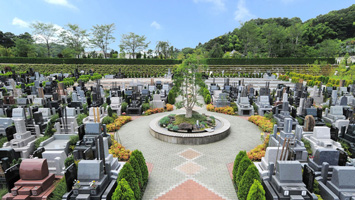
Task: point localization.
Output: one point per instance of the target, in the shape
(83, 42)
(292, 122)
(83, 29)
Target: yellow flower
(78, 181)
(261, 133)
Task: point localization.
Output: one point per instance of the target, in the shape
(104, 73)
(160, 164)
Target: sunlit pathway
(190, 171)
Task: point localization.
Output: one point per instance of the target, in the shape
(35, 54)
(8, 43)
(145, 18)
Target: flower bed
(225, 110)
(258, 152)
(116, 125)
(151, 111)
(119, 151)
(264, 123)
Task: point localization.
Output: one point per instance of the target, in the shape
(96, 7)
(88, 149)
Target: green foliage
(144, 169)
(49, 131)
(127, 172)
(107, 120)
(175, 128)
(137, 170)
(68, 161)
(73, 139)
(39, 140)
(216, 51)
(300, 121)
(60, 190)
(247, 181)
(238, 158)
(85, 110)
(109, 111)
(124, 107)
(3, 191)
(145, 106)
(164, 121)
(307, 144)
(2, 140)
(16, 161)
(256, 191)
(243, 166)
(123, 191)
(171, 97)
(170, 126)
(79, 118)
(346, 148)
(195, 116)
(234, 106)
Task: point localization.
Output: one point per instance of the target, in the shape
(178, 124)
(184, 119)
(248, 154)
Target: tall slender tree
(102, 36)
(75, 38)
(133, 43)
(45, 33)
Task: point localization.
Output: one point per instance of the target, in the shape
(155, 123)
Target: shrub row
(264, 123)
(132, 179)
(225, 110)
(313, 80)
(246, 177)
(264, 61)
(116, 125)
(258, 152)
(90, 61)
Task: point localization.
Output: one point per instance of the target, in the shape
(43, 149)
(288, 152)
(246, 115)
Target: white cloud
(19, 22)
(61, 3)
(155, 25)
(219, 4)
(242, 13)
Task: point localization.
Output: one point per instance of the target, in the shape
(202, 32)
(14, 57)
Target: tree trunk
(188, 113)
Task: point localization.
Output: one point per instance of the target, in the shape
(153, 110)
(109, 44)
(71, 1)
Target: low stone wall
(189, 138)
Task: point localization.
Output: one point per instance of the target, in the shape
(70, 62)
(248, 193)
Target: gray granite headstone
(92, 128)
(334, 96)
(90, 170)
(331, 156)
(288, 125)
(344, 177)
(343, 101)
(298, 132)
(289, 171)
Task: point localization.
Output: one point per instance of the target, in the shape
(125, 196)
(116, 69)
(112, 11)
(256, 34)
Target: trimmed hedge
(256, 191)
(127, 173)
(144, 169)
(137, 170)
(238, 158)
(123, 191)
(247, 181)
(90, 61)
(265, 61)
(243, 166)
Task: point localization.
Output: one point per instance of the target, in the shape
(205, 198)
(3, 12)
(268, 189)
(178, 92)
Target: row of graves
(27, 112)
(288, 170)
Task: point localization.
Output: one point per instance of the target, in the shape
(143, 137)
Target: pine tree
(256, 191)
(247, 181)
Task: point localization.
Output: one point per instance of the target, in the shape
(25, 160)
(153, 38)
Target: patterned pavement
(190, 171)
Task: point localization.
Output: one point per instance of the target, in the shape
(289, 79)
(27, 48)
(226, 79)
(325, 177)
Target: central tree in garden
(187, 78)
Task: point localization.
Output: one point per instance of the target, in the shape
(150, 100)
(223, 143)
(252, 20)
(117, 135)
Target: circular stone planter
(165, 135)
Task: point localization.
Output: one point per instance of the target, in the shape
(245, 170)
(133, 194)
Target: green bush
(73, 139)
(49, 131)
(247, 181)
(144, 169)
(3, 191)
(243, 166)
(107, 120)
(85, 109)
(164, 121)
(68, 161)
(170, 126)
(124, 106)
(171, 97)
(127, 172)
(256, 191)
(79, 118)
(145, 106)
(123, 191)
(109, 111)
(39, 140)
(2, 140)
(234, 106)
(137, 170)
(60, 190)
(175, 128)
(207, 99)
(238, 158)
(89, 61)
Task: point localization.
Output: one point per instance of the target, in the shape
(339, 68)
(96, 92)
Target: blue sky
(184, 23)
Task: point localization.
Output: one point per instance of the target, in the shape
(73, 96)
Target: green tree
(162, 48)
(102, 36)
(256, 191)
(249, 34)
(188, 79)
(243, 166)
(133, 43)
(216, 51)
(75, 38)
(247, 181)
(238, 158)
(123, 191)
(127, 173)
(68, 53)
(24, 48)
(137, 170)
(45, 33)
(295, 32)
(270, 32)
(329, 48)
(144, 169)
(315, 68)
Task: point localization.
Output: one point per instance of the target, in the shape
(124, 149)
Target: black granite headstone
(70, 175)
(10, 131)
(308, 177)
(12, 175)
(38, 152)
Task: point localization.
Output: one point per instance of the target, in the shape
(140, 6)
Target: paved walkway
(190, 171)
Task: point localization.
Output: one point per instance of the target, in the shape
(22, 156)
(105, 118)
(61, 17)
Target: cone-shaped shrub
(243, 166)
(127, 172)
(144, 169)
(237, 160)
(137, 170)
(247, 181)
(123, 191)
(256, 191)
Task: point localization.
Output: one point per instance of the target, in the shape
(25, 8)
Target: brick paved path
(190, 171)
